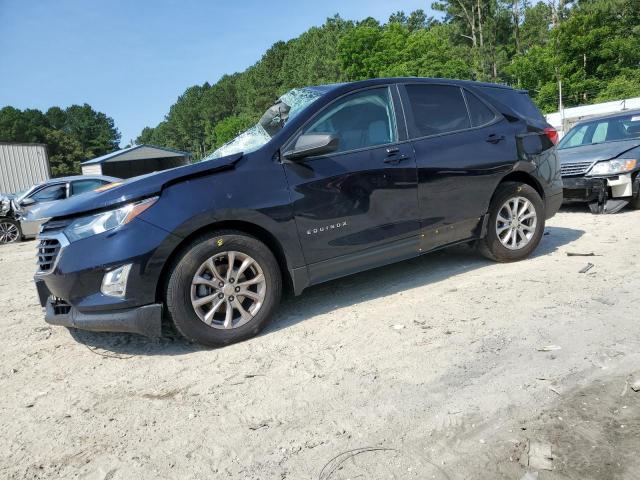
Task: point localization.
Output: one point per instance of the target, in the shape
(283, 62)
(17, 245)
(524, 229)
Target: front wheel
(9, 231)
(516, 223)
(223, 289)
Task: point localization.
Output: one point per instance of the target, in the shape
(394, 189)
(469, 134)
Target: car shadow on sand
(344, 292)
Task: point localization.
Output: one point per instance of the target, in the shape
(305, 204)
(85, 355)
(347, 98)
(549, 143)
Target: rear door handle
(493, 138)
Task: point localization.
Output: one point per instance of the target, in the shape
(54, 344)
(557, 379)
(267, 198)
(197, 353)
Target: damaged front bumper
(145, 320)
(584, 189)
(603, 194)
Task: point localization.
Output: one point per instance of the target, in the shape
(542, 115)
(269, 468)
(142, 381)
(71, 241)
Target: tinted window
(82, 186)
(518, 101)
(50, 193)
(437, 109)
(480, 114)
(360, 120)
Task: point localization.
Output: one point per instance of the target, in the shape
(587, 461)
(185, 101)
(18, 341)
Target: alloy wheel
(8, 232)
(516, 223)
(228, 290)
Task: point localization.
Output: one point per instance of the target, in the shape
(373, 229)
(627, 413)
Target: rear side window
(518, 101)
(479, 112)
(437, 109)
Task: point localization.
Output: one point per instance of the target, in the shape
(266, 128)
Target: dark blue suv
(333, 180)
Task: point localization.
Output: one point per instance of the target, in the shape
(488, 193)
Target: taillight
(552, 133)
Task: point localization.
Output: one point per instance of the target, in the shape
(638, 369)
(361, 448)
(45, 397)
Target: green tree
(65, 153)
(626, 85)
(230, 127)
(72, 135)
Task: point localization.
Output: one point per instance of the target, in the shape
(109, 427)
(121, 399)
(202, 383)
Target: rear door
(463, 148)
(350, 204)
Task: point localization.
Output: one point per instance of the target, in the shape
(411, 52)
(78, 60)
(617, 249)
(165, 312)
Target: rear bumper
(553, 204)
(584, 189)
(145, 320)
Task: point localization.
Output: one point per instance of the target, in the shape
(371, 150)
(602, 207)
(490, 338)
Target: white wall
(574, 114)
(95, 169)
(22, 165)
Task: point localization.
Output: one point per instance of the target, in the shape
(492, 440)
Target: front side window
(50, 193)
(82, 186)
(437, 109)
(576, 138)
(360, 120)
(287, 107)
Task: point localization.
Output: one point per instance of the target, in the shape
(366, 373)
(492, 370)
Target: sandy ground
(428, 369)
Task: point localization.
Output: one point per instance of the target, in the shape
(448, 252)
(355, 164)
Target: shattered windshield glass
(287, 107)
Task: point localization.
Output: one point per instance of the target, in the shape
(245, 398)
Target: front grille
(579, 168)
(48, 250)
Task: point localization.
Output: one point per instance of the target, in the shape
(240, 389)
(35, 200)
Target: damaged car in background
(20, 216)
(600, 162)
(9, 220)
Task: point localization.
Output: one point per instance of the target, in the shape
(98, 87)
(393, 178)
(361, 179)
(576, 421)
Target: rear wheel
(9, 231)
(516, 223)
(223, 288)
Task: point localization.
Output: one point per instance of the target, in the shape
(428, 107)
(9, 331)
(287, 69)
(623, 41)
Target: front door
(351, 203)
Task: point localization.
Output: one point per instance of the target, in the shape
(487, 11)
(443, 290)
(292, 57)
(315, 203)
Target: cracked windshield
(287, 107)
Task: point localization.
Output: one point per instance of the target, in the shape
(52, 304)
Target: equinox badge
(313, 231)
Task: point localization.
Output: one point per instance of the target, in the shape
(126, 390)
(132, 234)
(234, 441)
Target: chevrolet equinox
(332, 180)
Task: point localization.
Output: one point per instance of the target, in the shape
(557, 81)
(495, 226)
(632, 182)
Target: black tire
(490, 246)
(178, 287)
(635, 200)
(10, 231)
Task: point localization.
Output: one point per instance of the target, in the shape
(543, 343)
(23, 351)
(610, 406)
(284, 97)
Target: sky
(131, 59)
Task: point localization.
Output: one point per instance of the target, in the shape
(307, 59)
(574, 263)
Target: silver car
(34, 199)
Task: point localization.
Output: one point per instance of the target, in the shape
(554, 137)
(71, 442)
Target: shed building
(134, 161)
(22, 165)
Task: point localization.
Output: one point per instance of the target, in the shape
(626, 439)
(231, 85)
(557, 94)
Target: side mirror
(27, 202)
(313, 144)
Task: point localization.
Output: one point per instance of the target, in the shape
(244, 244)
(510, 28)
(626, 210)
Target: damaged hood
(596, 152)
(135, 188)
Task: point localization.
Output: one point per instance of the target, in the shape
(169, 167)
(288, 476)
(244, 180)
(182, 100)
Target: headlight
(105, 221)
(611, 167)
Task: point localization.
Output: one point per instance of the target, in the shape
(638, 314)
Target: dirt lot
(428, 369)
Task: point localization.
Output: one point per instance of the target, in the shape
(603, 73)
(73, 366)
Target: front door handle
(395, 159)
(493, 138)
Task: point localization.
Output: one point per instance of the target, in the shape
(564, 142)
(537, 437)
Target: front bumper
(30, 228)
(584, 189)
(69, 283)
(145, 320)
(588, 189)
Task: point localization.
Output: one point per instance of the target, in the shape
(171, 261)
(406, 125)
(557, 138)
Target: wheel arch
(248, 228)
(522, 177)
